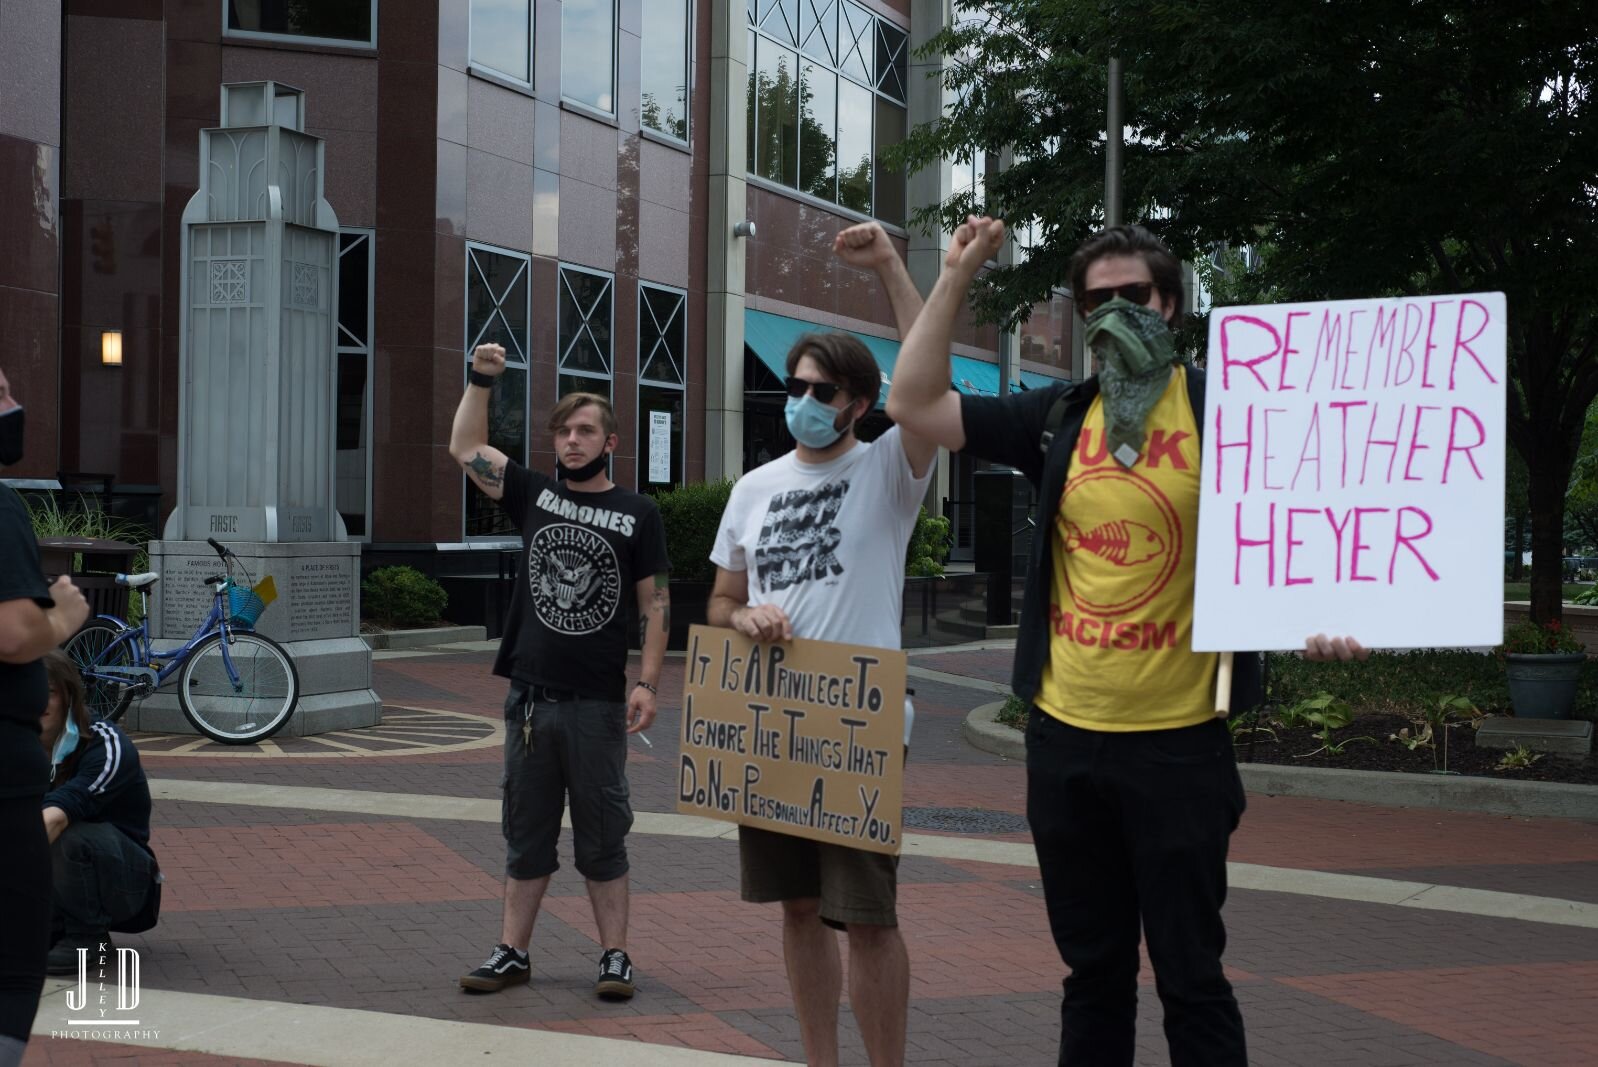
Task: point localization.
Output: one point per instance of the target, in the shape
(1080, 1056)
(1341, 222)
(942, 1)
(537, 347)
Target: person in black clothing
(588, 545)
(35, 616)
(1132, 787)
(97, 816)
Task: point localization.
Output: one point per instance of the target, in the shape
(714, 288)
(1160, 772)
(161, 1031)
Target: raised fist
(489, 359)
(975, 241)
(865, 245)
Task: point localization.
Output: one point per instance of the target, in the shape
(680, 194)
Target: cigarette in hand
(645, 739)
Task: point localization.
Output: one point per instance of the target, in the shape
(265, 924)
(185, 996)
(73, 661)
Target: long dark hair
(65, 680)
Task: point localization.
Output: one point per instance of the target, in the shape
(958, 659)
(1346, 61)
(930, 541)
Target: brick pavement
(383, 914)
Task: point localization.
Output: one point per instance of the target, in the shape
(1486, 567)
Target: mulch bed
(1383, 755)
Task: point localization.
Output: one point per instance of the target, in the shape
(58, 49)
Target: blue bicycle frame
(137, 640)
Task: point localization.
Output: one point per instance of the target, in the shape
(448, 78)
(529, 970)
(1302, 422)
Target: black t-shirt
(24, 691)
(584, 554)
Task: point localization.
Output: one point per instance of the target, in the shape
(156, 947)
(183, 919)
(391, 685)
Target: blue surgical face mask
(812, 423)
(66, 742)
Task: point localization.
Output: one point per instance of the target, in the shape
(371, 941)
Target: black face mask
(583, 473)
(11, 438)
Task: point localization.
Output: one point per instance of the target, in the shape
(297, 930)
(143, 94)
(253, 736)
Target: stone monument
(255, 418)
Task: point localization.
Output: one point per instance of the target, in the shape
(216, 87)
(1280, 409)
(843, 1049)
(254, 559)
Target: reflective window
(774, 101)
(588, 52)
(818, 121)
(352, 392)
(584, 321)
(502, 37)
(496, 312)
(662, 408)
(820, 117)
(333, 21)
(663, 80)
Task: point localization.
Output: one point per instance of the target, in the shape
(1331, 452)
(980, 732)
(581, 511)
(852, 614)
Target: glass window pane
(890, 192)
(663, 81)
(659, 468)
(507, 431)
(855, 107)
(353, 272)
(662, 335)
(576, 383)
(496, 302)
(818, 30)
(502, 37)
(777, 101)
(336, 20)
(353, 427)
(893, 59)
(584, 322)
(780, 18)
(818, 148)
(857, 46)
(587, 52)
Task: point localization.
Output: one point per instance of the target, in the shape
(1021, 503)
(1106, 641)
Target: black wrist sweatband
(478, 378)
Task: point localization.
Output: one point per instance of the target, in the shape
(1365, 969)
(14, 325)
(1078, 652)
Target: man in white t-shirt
(812, 545)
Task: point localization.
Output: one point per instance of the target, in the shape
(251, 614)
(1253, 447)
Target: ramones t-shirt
(24, 692)
(583, 555)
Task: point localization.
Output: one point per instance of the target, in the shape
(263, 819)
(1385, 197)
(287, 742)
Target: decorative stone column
(256, 414)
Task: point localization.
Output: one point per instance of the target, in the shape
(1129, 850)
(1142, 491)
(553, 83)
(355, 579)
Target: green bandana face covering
(1135, 352)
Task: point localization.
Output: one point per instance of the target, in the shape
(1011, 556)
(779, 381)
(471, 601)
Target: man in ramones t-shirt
(589, 544)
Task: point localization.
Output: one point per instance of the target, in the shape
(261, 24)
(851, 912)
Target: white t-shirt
(825, 542)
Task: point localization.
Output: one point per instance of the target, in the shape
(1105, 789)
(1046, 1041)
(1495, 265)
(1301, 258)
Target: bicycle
(234, 685)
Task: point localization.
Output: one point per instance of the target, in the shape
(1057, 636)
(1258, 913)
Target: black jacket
(100, 780)
(1010, 430)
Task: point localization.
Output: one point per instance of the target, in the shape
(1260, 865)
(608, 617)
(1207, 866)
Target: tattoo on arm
(485, 472)
(662, 604)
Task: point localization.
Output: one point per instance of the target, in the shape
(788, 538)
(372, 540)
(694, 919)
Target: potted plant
(1543, 662)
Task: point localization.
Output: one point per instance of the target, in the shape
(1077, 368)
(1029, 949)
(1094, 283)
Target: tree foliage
(1378, 147)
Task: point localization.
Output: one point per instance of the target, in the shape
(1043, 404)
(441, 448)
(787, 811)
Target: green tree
(1377, 146)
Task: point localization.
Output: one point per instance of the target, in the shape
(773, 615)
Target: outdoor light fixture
(743, 229)
(111, 348)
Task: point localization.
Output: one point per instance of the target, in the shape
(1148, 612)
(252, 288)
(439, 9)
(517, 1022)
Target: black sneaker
(504, 966)
(63, 958)
(615, 976)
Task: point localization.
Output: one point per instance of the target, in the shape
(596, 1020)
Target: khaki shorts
(854, 886)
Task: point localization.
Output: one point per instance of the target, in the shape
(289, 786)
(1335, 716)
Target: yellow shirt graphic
(1121, 612)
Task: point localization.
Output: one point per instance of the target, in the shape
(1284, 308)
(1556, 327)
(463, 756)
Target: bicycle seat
(138, 581)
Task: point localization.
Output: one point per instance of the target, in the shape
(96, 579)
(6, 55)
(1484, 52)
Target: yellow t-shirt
(1121, 612)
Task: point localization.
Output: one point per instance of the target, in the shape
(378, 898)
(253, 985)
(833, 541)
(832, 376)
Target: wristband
(478, 378)
(647, 686)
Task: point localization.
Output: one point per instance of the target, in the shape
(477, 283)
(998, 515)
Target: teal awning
(1029, 380)
(771, 336)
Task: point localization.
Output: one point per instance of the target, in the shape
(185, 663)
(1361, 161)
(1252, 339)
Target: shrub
(1014, 712)
(403, 596)
(692, 514)
(929, 546)
(90, 522)
(1533, 638)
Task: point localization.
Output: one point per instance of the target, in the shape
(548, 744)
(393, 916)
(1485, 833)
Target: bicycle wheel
(93, 647)
(239, 690)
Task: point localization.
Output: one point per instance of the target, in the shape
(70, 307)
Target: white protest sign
(1353, 474)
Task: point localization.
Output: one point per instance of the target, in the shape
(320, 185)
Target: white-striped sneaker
(504, 966)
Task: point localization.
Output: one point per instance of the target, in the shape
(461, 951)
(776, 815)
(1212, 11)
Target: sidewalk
(325, 895)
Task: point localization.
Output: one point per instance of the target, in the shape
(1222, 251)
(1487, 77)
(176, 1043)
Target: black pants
(24, 913)
(101, 878)
(1132, 829)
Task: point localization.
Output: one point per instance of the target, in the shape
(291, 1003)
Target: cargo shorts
(576, 751)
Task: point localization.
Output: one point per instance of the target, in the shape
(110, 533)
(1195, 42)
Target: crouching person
(97, 816)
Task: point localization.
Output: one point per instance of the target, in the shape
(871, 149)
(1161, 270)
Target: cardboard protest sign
(804, 738)
(1353, 474)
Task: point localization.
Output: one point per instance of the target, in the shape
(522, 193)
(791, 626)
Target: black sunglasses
(1093, 299)
(798, 387)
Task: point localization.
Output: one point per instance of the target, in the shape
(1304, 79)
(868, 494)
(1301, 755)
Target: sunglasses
(823, 391)
(1092, 299)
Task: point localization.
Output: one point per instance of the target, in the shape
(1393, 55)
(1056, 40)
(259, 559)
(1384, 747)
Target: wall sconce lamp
(743, 229)
(111, 348)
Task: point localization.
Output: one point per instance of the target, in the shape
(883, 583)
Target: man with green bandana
(1132, 789)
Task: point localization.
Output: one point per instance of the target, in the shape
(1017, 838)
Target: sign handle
(1223, 686)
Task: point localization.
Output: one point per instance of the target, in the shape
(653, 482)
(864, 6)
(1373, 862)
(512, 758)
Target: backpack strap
(1055, 419)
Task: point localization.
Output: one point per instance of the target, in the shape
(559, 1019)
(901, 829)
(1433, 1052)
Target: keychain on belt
(527, 723)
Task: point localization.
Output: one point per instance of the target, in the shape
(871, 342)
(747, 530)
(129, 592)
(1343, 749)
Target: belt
(548, 694)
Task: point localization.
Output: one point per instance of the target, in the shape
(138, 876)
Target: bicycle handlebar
(221, 549)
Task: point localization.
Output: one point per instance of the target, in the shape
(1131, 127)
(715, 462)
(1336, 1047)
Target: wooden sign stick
(1223, 686)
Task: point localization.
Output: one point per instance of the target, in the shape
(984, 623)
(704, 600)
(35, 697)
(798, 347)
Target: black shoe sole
(473, 984)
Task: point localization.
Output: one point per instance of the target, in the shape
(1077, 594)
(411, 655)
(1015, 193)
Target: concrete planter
(1543, 686)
